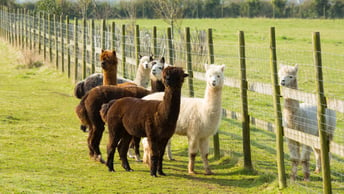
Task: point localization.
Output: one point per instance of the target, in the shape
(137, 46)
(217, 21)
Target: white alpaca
(143, 71)
(302, 117)
(199, 117)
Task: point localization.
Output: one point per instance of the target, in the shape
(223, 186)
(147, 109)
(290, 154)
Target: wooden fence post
(56, 42)
(170, 46)
(49, 37)
(84, 31)
(44, 37)
(245, 118)
(68, 46)
(155, 44)
(189, 62)
(324, 138)
(216, 138)
(40, 33)
(137, 45)
(62, 44)
(93, 53)
(124, 68)
(278, 112)
(103, 34)
(113, 36)
(76, 47)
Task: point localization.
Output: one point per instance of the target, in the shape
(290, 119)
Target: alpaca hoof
(209, 172)
(154, 175)
(306, 179)
(83, 128)
(172, 159)
(129, 170)
(317, 171)
(162, 173)
(100, 159)
(192, 172)
(139, 160)
(111, 170)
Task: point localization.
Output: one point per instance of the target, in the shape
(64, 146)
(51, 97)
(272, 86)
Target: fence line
(62, 40)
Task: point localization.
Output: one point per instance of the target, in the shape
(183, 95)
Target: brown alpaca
(109, 63)
(90, 105)
(156, 120)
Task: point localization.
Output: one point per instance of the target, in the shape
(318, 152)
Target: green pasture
(42, 149)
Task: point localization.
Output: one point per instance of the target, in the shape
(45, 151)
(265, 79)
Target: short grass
(43, 151)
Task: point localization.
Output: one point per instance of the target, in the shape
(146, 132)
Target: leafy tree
(48, 6)
(321, 7)
(278, 7)
(337, 9)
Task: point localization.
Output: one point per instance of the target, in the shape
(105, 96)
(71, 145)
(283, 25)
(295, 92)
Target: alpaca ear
(185, 74)
(102, 50)
(296, 67)
(114, 52)
(151, 57)
(223, 67)
(162, 60)
(206, 66)
(140, 56)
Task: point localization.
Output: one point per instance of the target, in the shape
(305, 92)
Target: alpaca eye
(160, 67)
(218, 76)
(290, 77)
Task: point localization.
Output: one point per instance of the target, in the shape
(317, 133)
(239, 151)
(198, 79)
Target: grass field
(42, 149)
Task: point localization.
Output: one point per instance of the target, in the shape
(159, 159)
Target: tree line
(174, 9)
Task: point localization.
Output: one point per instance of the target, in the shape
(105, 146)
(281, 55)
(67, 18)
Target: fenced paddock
(251, 95)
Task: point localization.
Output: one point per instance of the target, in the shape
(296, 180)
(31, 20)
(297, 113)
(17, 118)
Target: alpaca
(96, 79)
(156, 120)
(156, 86)
(109, 77)
(302, 117)
(199, 117)
(90, 105)
(92, 81)
(143, 71)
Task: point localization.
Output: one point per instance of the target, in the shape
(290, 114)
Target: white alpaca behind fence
(199, 117)
(302, 117)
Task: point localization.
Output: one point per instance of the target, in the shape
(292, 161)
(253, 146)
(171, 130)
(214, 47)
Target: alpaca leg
(146, 151)
(204, 149)
(137, 149)
(153, 157)
(162, 148)
(305, 157)
(89, 142)
(111, 148)
(169, 152)
(123, 150)
(294, 150)
(317, 160)
(193, 145)
(95, 141)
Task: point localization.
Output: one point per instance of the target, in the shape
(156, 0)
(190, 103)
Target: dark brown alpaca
(90, 105)
(156, 120)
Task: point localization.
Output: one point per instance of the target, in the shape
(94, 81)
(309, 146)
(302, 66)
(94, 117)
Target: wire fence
(75, 45)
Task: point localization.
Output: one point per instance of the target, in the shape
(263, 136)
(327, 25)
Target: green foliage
(48, 6)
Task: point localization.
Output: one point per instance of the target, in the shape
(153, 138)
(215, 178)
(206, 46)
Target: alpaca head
(173, 77)
(287, 75)
(108, 60)
(214, 75)
(157, 67)
(145, 61)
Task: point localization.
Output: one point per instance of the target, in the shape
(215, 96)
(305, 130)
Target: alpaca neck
(142, 77)
(157, 86)
(291, 106)
(212, 99)
(170, 105)
(109, 78)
